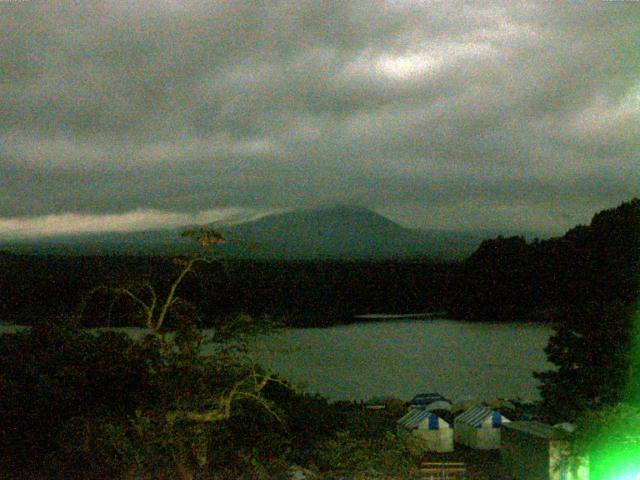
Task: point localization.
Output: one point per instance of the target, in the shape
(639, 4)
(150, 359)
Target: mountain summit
(342, 231)
(337, 232)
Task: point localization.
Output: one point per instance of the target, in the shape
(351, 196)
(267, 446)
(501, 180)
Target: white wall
(485, 438)
(436, 440)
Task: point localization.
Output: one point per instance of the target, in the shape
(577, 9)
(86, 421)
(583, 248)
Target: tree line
(512, 279)
(87, 405)
(585, 283)
(172, 402)
(299, 293)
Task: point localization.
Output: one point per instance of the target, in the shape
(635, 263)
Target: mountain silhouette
(337, 232)
(345, 231)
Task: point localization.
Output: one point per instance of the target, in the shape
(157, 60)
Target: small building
(535, 451)
(433, 430)
(384, 402)
(460, 407)
(438, 405)
(433, 402)
(479, 427)
(423, 399)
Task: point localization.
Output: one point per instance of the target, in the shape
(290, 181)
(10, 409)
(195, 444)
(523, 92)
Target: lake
(400, 358)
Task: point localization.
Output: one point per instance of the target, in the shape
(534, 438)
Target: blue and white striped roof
(427, 398)
(422, 419)
(477, 416)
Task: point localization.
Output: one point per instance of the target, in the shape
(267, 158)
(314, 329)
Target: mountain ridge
(332, 232)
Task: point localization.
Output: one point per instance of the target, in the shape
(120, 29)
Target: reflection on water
(401, 358)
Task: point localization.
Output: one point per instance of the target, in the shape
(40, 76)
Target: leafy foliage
(61, 378)
(609, 438)
(593, 346)
(586, 283)
(146, 406)
(304, 293)
(557, 280)
(595, 363)
(89, 404)
(388, 455)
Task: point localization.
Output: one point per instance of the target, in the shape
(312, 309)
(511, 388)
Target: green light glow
(632, 394)
(615, 455)
(615, 461)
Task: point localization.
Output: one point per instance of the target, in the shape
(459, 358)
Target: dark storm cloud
(430, 112)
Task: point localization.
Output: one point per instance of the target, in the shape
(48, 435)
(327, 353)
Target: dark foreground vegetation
(93, 406)
(88, 405)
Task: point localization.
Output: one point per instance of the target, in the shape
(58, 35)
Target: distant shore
(400, 316)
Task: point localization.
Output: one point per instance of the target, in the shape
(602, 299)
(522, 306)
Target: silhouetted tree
(593, 347)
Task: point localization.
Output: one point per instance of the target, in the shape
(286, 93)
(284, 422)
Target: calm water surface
(401, 358)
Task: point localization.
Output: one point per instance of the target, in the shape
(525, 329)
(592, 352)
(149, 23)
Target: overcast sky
(456, 115)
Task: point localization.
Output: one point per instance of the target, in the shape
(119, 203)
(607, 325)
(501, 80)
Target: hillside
(346, 232)
(512, 279)
(341, 232)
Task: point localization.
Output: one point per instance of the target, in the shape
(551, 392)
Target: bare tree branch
(169, 300)
(226, 400)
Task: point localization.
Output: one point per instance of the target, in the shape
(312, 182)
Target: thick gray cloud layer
(439, 114)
